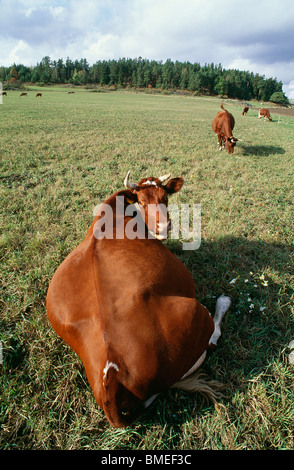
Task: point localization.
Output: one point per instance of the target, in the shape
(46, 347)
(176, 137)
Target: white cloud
(57, 11)
(255, 36)
(288, 89)
(17, 52)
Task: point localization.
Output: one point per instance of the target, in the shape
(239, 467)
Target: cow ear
(130, 197)
(174, 185)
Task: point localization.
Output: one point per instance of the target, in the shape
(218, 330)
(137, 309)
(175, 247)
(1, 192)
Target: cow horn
(164, 178)
(128, 183)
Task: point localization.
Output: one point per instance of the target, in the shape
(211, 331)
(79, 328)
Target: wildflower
(262, 277)
(233, 281)
(251, 306)
(248, 300)
(251, 273)
(262, 309)
(246, 280)
(255, 285)
(265, 283)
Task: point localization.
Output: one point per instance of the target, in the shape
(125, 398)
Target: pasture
(63, 154)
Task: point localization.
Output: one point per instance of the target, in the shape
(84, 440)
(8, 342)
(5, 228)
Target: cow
(70, 92)
(4, 93)
(263, 112)
(127, 305)
(222, 126)
(245, 110)
(23, 94)
(38, 94)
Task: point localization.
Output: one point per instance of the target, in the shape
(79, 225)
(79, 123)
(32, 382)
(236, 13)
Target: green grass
(63, 154)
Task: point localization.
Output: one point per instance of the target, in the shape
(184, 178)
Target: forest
(210, 79)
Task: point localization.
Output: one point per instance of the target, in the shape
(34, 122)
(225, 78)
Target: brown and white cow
(263, 112)
(245, 110)
(223, 125)
(127, 306)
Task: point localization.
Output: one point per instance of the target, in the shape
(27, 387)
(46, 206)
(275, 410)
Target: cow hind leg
(222, 306)
(196, 381)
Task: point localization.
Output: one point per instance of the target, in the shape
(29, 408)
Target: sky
(251, 35)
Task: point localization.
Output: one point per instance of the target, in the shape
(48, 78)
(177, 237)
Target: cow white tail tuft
(199, 382)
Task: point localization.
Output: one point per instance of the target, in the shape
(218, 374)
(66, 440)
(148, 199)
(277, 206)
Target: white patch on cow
(150, 183)
(108, 365)
(150, 400)
(137, 207)
(196, 365)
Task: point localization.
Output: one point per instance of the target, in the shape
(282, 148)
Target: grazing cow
(245, 110)
(23, 94)
(4, 93)
(70, 92)
(127, 305)
(263, 112)
(223, 125)
(38, 94)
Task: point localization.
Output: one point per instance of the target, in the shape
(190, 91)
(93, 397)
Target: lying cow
(127, 306)
(223, 125)
(263, 112)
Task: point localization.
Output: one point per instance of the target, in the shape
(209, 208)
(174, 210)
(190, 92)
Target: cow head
(151, 195)
(230, 144)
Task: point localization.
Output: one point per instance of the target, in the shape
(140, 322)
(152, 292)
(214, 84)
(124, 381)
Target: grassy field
(63, 154)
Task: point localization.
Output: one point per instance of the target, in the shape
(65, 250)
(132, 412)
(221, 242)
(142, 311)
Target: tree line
(209, 79)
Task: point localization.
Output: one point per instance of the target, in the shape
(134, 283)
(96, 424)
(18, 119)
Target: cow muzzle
(158, 221)
(163, 229)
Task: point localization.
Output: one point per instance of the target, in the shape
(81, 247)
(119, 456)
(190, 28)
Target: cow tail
(198, 382)
(120, 405)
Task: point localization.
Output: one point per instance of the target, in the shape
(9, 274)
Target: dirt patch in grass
(282, 111)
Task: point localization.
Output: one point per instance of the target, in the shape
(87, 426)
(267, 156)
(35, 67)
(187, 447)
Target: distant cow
(263, 112)
(38, 94)
(23, 94)
(245, 110)
(223, 126)
(127, 305)
(4, 93)
(70, 92)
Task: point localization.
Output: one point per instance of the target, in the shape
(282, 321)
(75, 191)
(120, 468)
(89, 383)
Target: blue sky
(254, 35)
